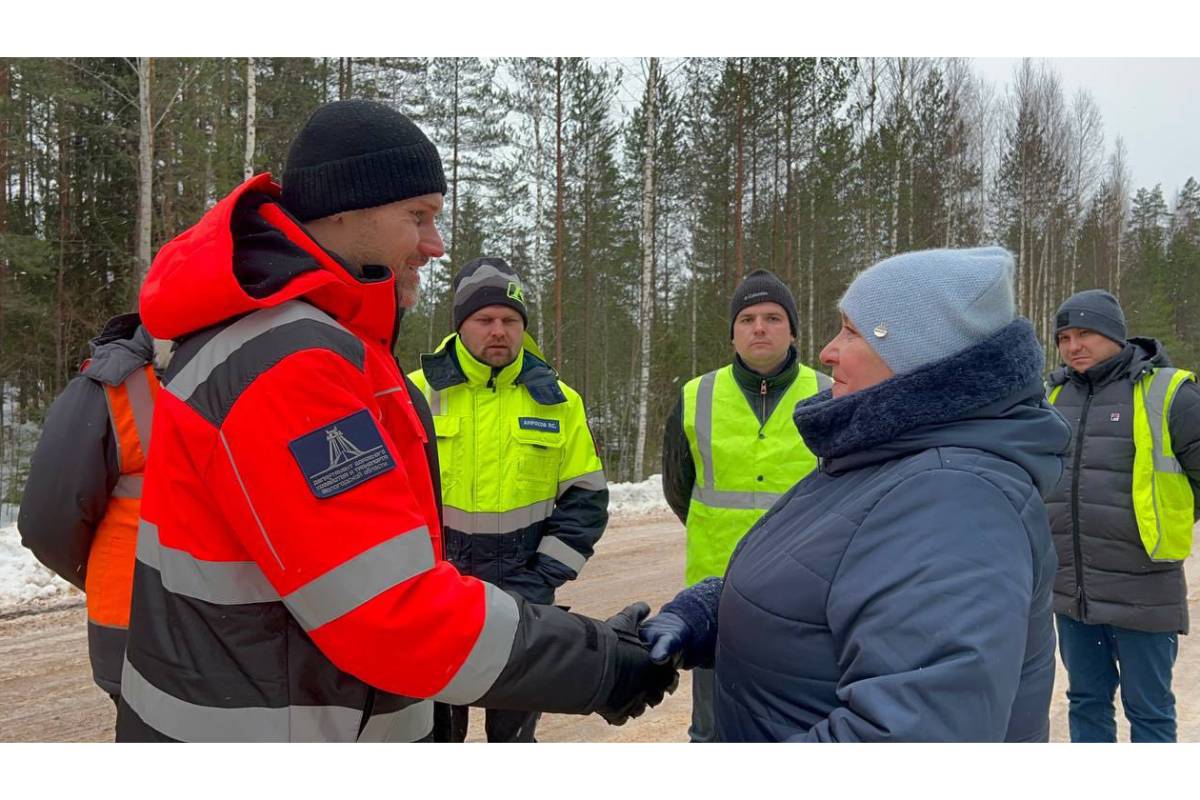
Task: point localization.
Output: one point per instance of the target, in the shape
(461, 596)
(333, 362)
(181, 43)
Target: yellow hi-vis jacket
(742, 467)
(523, 489)
(1162, 496)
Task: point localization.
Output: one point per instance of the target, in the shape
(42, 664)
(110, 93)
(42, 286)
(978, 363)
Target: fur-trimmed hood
(988, 397)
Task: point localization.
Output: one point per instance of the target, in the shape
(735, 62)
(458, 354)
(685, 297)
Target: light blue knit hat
(917, 308)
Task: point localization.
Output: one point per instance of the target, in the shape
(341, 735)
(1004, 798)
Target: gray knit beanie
(487, 281)
(920, 307)
(1094, 309)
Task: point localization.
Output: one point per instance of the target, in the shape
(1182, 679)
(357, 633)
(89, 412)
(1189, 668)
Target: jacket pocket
(539, 453)
(448, 430)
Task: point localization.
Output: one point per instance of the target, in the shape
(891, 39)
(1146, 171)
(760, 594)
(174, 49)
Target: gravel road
(47, 694)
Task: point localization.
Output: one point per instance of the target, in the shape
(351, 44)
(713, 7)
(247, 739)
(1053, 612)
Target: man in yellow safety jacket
(523, 490)
(1122, 519)
(731, 448)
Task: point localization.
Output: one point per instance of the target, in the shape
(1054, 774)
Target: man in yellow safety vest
(731, 449)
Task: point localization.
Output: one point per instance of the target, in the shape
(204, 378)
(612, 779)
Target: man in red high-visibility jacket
(289, 582)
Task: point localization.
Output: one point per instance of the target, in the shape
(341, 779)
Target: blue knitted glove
(685, 630)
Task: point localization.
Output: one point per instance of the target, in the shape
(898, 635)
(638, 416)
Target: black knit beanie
(1094, 309)
(487, 282)
(762, 286)
(358, 154)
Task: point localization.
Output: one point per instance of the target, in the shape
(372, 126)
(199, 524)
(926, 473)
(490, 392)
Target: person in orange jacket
(80, 508)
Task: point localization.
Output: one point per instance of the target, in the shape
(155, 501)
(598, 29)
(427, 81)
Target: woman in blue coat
(902, 592)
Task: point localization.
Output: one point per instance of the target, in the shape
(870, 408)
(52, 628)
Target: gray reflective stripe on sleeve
(561, 551)
(409, 724)
(392, 390)
(189, 722)
(220, 347)
(704, 426)
(592, 481)
(1156, 401)
(219, 582)
(128, 486)
(141, 402)
(495, 522)
(261, 528)
(490, 653)
(367, 575)
(823, 381)
(736, 500)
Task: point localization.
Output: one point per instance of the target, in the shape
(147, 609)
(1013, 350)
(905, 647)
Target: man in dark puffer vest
(1120, 609)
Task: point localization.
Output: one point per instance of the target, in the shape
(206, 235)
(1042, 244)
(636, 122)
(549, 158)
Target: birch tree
(251, 119)
(646, 317)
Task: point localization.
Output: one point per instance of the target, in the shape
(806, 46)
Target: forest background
(631, 194)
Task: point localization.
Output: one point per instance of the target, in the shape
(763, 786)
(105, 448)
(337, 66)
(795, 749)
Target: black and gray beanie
(761, 286)
(1094, 309)
(358, 154)
(487, 282)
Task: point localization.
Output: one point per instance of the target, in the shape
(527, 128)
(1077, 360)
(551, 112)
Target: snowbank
(22, 579)
(637, 498)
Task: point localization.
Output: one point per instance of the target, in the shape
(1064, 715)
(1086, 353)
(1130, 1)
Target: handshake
(650, 652)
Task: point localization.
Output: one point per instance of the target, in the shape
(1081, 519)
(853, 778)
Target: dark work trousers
(1098, 658)
(500, 726)
(704, 695)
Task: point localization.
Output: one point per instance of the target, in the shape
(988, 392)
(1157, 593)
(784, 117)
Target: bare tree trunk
(454, 170)
(251, 114)
(810, 344)
(145, 73)
(540, 170)
(646, 323)
(559, 233)
(739, 185)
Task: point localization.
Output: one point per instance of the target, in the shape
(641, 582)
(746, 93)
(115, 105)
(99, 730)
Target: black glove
(639, 682)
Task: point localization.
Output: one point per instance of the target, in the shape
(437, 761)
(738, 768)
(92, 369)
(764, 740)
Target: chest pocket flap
(538, 446)
(446, 426)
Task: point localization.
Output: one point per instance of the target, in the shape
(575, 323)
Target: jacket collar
(1002, 369)
(451, 364)
(780, 379)
(123, 346)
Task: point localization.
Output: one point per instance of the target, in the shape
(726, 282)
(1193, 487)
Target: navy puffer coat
(903, 591)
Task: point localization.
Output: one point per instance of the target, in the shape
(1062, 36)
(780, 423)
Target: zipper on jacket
(491, 384)
(762, 393)
(1081, 602)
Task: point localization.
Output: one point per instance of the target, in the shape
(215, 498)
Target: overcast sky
(1153, 103)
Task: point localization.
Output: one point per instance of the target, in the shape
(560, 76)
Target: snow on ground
(637, 498)
(23, 581)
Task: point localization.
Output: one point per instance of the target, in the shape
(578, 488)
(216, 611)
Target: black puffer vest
(1104, 575)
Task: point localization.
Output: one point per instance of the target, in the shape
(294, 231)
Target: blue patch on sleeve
(341, 455)
(538, 424)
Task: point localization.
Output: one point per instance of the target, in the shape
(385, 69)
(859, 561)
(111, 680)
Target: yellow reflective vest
(523, 490)
(742, 467)
(1162, 496)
